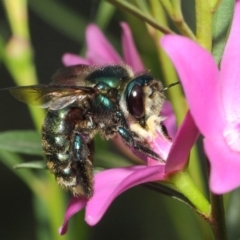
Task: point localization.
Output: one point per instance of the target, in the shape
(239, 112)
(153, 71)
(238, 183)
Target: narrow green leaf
(32, 165)
(132, 9)
(104, 14)
(42, 219)
(27, 142)
(221, 24)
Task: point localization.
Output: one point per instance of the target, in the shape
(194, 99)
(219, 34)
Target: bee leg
(81, 165)
(129, 140)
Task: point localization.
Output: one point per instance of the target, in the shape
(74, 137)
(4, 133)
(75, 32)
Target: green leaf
(221, 24)
(32, 164)
(104, 14)
(27, 142)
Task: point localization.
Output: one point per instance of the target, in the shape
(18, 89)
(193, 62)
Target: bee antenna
(170, 85)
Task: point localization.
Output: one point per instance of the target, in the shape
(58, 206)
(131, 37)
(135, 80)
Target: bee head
(142, 100)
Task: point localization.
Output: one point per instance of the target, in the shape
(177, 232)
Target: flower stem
(175, 95)
(138, 13)
(174, 11)
(184, 184)
(204, 23)
(18, 58)
(218, 219)
(18, 53)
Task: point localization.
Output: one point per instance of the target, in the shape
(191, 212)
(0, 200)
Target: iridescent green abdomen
(64, 150)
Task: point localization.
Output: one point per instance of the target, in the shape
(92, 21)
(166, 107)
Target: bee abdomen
(67, 152)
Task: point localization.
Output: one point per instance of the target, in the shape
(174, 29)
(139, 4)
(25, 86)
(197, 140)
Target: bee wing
(63, 102)
(54, 97)
(72, 75)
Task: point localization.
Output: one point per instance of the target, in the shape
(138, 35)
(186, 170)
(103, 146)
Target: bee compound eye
(135, 101)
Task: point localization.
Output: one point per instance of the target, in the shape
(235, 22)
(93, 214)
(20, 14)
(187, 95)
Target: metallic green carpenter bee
(83, 100)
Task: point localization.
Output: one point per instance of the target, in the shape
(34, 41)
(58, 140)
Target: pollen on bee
(50, 165)
(153, 124)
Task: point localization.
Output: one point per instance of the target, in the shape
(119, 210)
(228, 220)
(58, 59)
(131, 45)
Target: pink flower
(101, 52)
(108, 184)
(213, 96)
(111, 183)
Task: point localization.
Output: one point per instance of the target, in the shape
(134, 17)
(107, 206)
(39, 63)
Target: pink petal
(74, 206)
(110, 183)
(100, 51)
(200, 79)
(70, 59)
(232, 135)
(170, 122)
(230, 70)
(160, 145)
(130, 52)
(186, 137)
(225, 166)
